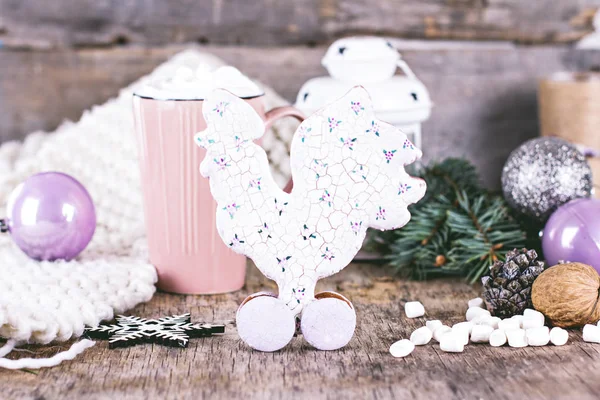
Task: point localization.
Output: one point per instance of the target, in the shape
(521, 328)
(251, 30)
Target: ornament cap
(4, 228)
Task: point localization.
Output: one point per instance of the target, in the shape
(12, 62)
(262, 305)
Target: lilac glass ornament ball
(51, 216)
(573, 233)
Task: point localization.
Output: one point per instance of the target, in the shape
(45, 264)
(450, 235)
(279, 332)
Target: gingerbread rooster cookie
(348, 173)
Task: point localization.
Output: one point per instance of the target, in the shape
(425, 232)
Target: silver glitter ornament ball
(543, 174)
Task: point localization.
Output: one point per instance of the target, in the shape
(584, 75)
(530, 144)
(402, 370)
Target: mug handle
(280, 112)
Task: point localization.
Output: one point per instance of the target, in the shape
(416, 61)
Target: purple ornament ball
(573, 233)
(51, 216)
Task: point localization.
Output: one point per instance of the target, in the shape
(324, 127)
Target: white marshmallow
(474, 312)
(543, 328)
(591, 333)
(421, 336)
(530, 313)
(516, 338)
(519, 319)
(489, 321)
(461, 333)
(539, 336)
(509, 324)
(414, 309)
(433, 324)
(187, 84)
(493, 322)
(440, 332)
(402, 348)
(452, 343)
(530, 323)
(481, 333)
(468, 326)
(533, 318)
(558, 336)
(498, 338)
(476, 302)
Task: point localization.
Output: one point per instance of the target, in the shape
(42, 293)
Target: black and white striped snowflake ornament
(174, 331)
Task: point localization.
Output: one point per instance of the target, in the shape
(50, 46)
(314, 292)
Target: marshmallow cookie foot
(328, 322)
(265, 322)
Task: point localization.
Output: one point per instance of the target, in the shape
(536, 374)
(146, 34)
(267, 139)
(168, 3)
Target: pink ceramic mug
(183, 242)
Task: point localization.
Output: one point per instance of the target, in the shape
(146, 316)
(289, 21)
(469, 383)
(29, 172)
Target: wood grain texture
(224, 367)
(38, 23)
(485, 96)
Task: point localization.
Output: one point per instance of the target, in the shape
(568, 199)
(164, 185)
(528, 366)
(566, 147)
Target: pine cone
(507, 289)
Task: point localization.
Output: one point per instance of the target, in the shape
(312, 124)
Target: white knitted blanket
(43, 301)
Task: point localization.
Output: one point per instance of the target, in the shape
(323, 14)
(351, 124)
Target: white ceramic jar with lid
(401, 100)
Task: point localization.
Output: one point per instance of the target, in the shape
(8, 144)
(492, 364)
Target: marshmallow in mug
(186, 83)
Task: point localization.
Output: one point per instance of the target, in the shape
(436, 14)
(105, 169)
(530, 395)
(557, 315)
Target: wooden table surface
(224, 367)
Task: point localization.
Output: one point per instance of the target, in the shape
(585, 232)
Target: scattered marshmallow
(498, 338)
(421, 336)
(433, 324)
(476, 302)
(539, 336)
(414, 309)
(481, 333)
(509, 324)
(519, 319)
(474, 312)
(481, 327)
(542, 328)
(485, 320)
(516, 338)
(530, 315)
(402, 348)
(468, 326)
(461, 332)
(493, 322)
(531, 323)
(591, 333)
(558, 336)
(440, 332)
(452, 343)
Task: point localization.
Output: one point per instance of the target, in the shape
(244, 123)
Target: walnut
(567, 294)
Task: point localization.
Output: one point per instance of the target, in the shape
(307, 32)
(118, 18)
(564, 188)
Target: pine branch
(486, 232)
(458, 229)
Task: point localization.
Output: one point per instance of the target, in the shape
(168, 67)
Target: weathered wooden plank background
(277, 22)
(485, 96)
(61, 57)
(58, 58)
(225, 368)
